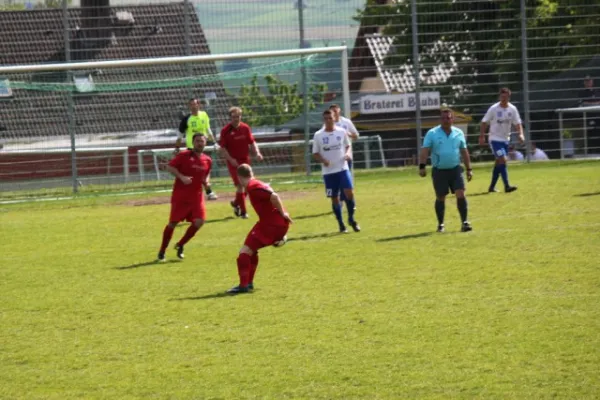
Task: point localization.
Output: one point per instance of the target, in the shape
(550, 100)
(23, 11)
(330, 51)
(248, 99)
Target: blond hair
(236, 110)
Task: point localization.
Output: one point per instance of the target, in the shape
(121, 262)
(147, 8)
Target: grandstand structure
(97, 31)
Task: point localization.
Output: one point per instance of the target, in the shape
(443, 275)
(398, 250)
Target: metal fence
(547, 53)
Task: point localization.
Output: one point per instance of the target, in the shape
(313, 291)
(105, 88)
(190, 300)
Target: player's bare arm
(211, 137)
(423, 157)
(256, 151)
(320, 159)
(174, 171)
(276, 201)
(482, 131)
(467, 160)
(225, 154)
(521, 134)
(348, 155)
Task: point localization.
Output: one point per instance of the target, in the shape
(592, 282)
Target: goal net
(104, 125)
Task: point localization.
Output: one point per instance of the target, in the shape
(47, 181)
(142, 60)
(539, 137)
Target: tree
(482, 40)
(277, 102)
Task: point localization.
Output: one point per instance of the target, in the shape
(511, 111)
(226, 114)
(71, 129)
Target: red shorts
(263, 235)
(187, 211)
(233, 170)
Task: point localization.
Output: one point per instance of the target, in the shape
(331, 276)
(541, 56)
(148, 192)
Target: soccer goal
(137, 104)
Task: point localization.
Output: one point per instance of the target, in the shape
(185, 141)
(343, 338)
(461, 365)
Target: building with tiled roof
(100, 32)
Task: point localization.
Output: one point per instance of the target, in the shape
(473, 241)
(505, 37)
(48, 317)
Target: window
(5, 90)
(84, 83)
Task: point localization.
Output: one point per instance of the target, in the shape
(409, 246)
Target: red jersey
(236, 141)
(260, 198)
(196, 166)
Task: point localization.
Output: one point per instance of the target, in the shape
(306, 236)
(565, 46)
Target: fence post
(416, 73)
(307, 152)
(70, 105)
(524, 62)
(188, 43)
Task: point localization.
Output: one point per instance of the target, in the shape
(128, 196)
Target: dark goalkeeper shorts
(445, 180)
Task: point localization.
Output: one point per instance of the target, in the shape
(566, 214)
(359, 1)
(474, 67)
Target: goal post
(138, 103)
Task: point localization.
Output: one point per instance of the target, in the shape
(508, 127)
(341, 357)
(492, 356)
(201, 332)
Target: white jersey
(501, 120)
(332, 147)
(539, 155)
(347, 125)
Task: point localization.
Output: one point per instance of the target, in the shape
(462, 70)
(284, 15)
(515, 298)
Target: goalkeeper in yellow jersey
(196, 121)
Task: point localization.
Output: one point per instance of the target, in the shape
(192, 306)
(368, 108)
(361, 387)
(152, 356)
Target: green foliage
(12, 6)
(483, 37)
(276, 102)
(508, 311)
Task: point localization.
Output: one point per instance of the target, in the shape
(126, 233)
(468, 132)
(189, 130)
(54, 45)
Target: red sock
(253, 266)
(167, 235)
(241, 202)
(191, 231)
(244, 265)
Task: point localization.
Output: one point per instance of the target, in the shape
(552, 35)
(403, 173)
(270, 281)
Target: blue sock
(503, 174)
(495, 176)
(350, 205)
(337, 211)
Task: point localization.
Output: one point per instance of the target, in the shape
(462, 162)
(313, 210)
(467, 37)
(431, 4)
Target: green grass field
(510, 310)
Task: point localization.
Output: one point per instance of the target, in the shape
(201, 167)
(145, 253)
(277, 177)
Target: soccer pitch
(510, 310)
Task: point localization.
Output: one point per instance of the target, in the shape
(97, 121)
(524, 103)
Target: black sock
(208, 190)
(440, 207)
(462, 208)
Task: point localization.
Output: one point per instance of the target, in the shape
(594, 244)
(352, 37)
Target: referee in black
(446, 144)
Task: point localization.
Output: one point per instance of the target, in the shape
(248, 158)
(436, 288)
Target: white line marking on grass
(29, 200)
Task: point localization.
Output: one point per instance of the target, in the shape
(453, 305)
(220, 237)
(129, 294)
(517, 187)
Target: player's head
(329, 119)
(336, 110)
(504, 95)
(199, 142)
(588, 82)
(244, 172)
(235, 114)
(194, 105)
(447, 117)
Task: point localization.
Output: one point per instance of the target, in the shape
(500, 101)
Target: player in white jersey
(500, 118)
(351, 131)
(331, 148)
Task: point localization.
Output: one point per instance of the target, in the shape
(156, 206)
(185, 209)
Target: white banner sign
(393, 103)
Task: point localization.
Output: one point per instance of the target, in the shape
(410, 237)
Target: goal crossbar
(136, 62)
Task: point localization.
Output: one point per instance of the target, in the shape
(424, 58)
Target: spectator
(589, 96)
(514, 154)
(537, 154)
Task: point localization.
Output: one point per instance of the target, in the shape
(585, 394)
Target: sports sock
(337, 211)
(253, 266)
(461, 204)
(208, 190)
(167, 235)
(189, 233)
(504, 174)
(244, 264)
(440, 207)
(495, 176)
(350, 206)
(240, 201)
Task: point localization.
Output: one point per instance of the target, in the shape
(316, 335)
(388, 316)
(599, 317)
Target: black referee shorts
(445, 180)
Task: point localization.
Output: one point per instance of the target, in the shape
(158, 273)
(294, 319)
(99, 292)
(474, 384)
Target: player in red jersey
(270, 230)
(235, 141)
(191, 169)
